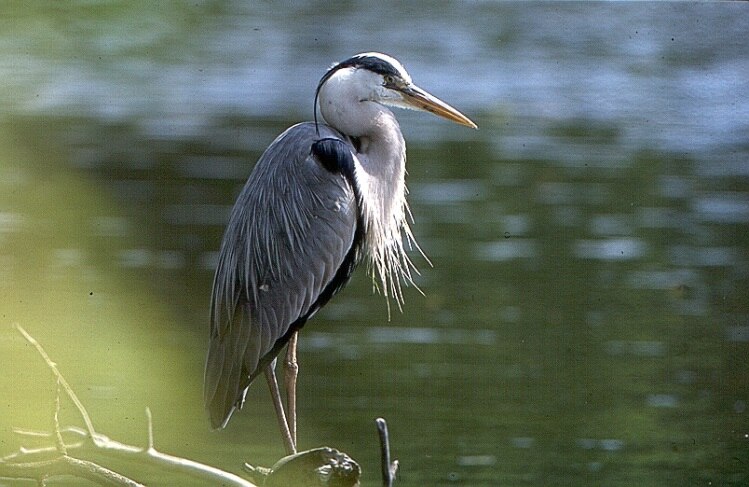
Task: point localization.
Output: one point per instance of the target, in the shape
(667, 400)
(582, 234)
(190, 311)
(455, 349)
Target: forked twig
(13, 466)
(61, 380)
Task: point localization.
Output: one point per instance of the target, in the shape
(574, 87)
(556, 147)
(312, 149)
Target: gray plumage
(288, 235)
(320, 198)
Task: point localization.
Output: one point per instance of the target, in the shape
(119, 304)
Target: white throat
(348, 103)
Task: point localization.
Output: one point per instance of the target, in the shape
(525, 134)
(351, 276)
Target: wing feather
(289, 233)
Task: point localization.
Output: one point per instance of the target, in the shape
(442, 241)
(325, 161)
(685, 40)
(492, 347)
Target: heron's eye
(389, 80)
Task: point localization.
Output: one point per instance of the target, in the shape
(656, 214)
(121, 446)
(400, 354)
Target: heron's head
(379, 78)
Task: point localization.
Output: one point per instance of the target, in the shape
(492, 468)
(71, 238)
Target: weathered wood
(319, 467)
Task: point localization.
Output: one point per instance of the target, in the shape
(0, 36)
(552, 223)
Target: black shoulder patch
(335, 156)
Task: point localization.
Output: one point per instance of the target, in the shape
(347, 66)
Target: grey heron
(321, 199)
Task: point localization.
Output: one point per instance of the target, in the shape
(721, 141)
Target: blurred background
(586, 319)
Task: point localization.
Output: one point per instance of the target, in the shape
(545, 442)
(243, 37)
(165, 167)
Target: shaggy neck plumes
(381, 181)
(380, 177)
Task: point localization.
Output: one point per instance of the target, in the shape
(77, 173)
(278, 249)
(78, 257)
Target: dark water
(585, 322)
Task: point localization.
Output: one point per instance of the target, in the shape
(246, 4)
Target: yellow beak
(421, 100)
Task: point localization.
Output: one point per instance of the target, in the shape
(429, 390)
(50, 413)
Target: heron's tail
(219, 401)
(226, 377)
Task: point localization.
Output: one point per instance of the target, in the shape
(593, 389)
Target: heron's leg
(291, 371)
(270, 376)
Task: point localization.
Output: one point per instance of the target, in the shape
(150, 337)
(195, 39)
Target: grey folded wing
(290, 238)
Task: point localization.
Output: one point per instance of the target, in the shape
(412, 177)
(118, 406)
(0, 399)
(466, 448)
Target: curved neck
(381, 152)
(380, 170)
(382, 158)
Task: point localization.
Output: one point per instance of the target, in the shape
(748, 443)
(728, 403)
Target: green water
(517, 366)
(585, 318)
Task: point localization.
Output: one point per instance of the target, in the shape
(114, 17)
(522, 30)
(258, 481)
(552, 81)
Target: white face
(381, 93)
(365, 85)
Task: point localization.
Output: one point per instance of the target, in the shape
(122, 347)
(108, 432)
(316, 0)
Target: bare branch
(149, 418)
(64, 383)
(97, 473)
(56, 420)
(119, 450)
(65, 465)
(190, 467)
(44, 463)
(388, 468)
